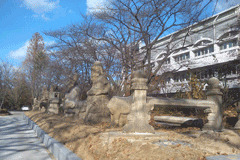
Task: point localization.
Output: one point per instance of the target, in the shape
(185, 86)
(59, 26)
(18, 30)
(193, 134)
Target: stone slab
(168, 124)
(174, 119)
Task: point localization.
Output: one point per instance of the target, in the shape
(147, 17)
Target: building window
(152, 64)
(168, 80)
(204, 51)
(167, 61)
(228, 44)
(176, 78)
(181, 77)
(182, 57)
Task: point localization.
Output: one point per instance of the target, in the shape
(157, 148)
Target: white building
(211, 48)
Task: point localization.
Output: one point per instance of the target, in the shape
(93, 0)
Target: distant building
(210, 49)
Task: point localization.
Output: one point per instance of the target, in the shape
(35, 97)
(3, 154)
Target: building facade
(209, 48)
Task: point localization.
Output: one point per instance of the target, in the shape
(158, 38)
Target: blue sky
(20, 19)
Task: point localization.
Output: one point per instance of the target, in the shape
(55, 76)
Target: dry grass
(95, 141)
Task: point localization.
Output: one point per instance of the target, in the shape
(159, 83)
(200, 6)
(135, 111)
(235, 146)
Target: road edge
(59, 151)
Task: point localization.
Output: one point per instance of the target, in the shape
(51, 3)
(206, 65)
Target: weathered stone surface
(215, 95)
(100, 84)
(96, 109)
(72, 105)
(71, 98)
(119, 108)
(97, 98)
(53, 108)
(212, 106)
(237, 125)
(71, 83)
(139, 116)
(54, 103)
(44, 101)
(174, 119)
(36, 105)
(224, 157)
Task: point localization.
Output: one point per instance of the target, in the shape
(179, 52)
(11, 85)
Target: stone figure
(100, 84)
(72, 104)
(119, 108)
(72, 83)
(52, 90)
(44, 101)
(35, 105)
(97, 96)
(237, 125)
(54, 100)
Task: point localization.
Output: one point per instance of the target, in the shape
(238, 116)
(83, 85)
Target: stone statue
(44, 101)
(72, 104)
(132, 112)
(119, 107)
(100, 84)
(97, 96)
(54, 100)
(237, 125)
(35, 105)
(72, 83)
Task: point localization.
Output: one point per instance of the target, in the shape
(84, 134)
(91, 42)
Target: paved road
(18, 142)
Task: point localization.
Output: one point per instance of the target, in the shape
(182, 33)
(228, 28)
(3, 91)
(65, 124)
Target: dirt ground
(103, 142)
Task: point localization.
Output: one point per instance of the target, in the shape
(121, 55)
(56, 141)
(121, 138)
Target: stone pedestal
(54, 107)
(139, 116)
(215, 115)
(54, 103)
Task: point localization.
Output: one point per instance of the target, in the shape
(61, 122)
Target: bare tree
(74, 53)
(144, 21)
(20, 94)
(6, 76)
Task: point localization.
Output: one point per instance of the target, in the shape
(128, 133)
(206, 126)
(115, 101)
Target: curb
(59, 151)
(224, 157)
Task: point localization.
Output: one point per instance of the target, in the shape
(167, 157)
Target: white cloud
(19, 53)
(92, 5)
(225, 4)
(43, 16)
(49, 43)
(41, 7)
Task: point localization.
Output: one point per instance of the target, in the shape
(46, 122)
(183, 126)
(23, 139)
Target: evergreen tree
(36, 63)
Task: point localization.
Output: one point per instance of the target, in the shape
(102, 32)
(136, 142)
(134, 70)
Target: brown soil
(103, 142)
